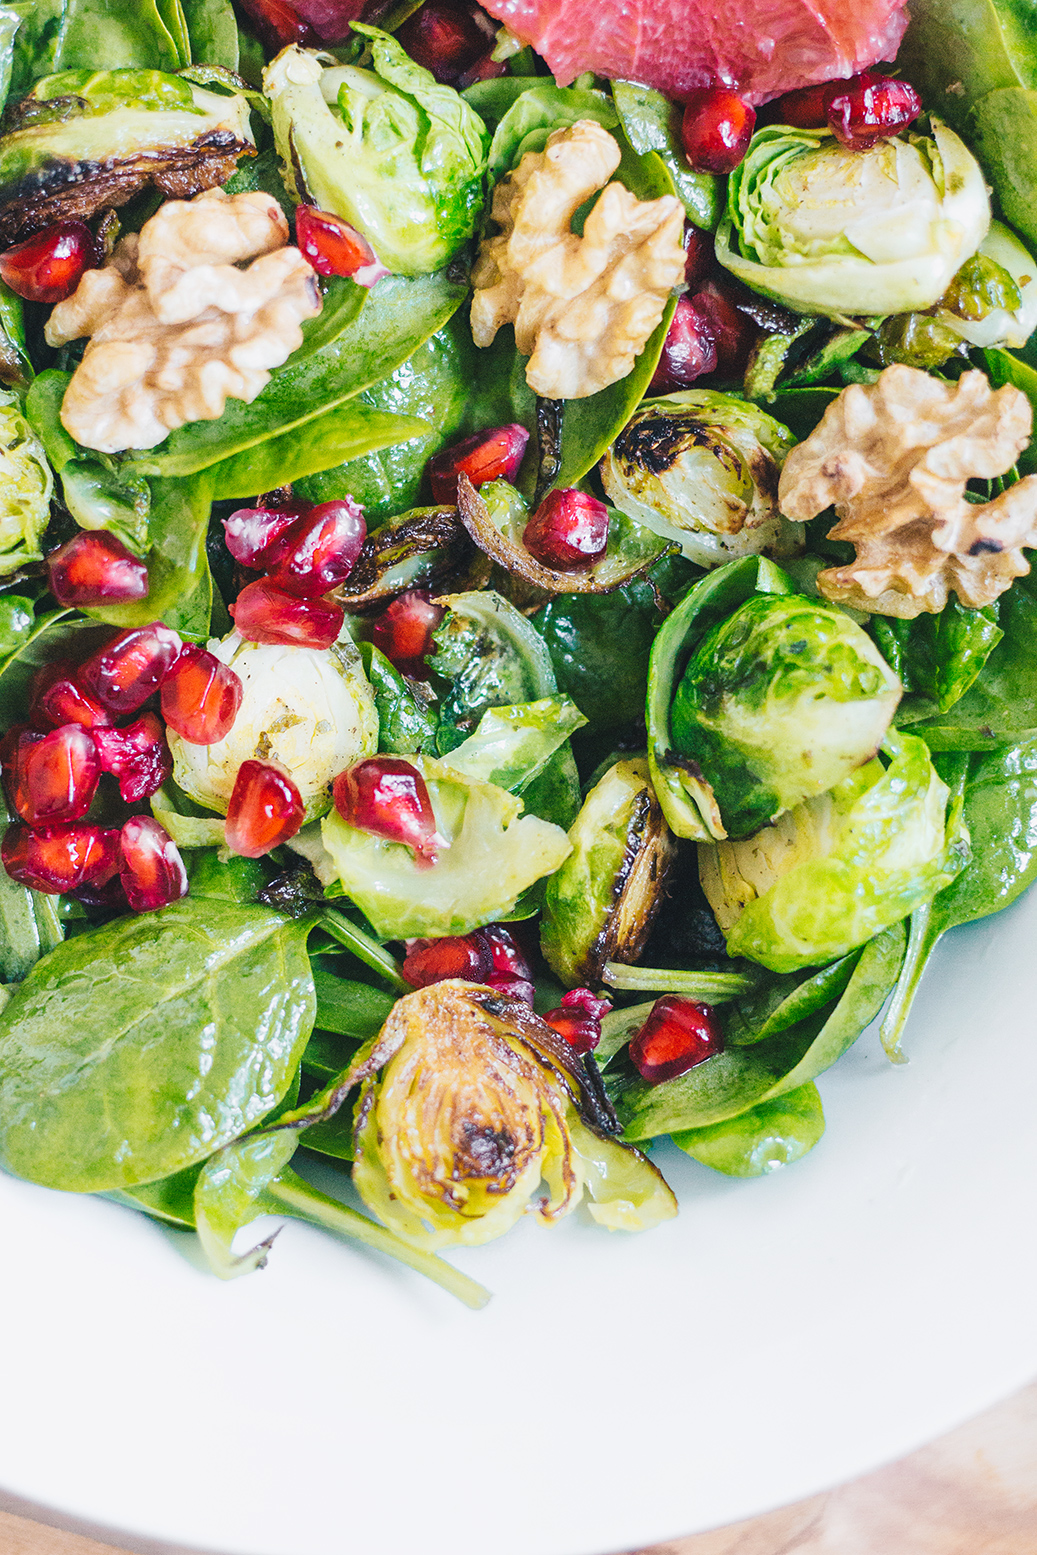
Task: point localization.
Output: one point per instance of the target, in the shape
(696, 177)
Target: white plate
(782, 1335)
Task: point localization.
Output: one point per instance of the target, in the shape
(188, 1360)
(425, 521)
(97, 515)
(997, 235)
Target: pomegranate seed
(689, 349)
(151, 869)
(124, 673)
(254, 535)
(488, 456)
(445, 39)
(319, 551)
(677, 1035)
(404, 630)
(109, 898)
(61, 858)
(137, 755)
(806, 109)
(586, 1002)
(388, 797)
(56, 776)
(569, 530)
(461, 955)
(14, 748)
(734, 333)
(515, 987)
(201, 696)
(716, 129)
(263, 613)
(698, 254)
(506, 955)
(265, 809)
(94, 568)
(277, 25)
(578, 1019)
(331, 245)
(49, 266)
(869, 108)
(57, 700)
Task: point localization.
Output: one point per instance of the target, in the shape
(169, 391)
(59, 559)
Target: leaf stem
(710, 987)
(365, 948)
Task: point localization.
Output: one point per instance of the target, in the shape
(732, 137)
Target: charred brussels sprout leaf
(398, 155)
(499, 1111)
(601, 904)
(417, 549)
(26, 486)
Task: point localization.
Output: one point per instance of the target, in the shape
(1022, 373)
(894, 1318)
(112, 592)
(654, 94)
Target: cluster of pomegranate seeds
(138, 756)
(150, 867)
(493, 455)
(490, 955)
(125, 672)
(49, 266)
(388, 797)
(569, 530)
(716, 129)
(265, 809)
(709, 331)
(94, 568)
(677, 1035)
(254, 535)
(62, 858)
(403, 631)
(859, 111)
(201, 696)
(56, 699)
(305, 551)
(449, 40)
(263, 613)
(578, 1019)
(330, 244)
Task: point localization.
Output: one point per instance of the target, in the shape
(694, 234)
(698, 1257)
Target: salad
(515, 631)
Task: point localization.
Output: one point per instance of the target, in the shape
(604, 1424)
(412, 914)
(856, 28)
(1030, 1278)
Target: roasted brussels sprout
(835, 232)
(837, 869)
(477, 1102)
(26, 485)
(84, 141)
(312, 711)
(493, 853)
(399, 156)
(779, 702)
(601, 904)
(992, 301)
(417, 549)
(702, 468)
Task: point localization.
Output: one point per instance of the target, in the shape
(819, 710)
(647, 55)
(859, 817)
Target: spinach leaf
(97, 35)
(1002, 367)
(29, 921)
(773, 1134)
(170, 1199)
(348, 1008)
(938, 656)
(537, 113)
(652, 123)
(177, 564)
(16, 622)
(137, 1049)
(213, 32)
(350, 431)
(405, 725)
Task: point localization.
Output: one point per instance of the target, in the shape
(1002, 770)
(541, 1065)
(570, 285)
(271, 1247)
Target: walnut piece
(582, 307)
(893, 458)
(176, 328)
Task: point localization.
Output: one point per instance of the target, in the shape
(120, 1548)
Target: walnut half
(893, 458)
(582, 307)
(176, 327)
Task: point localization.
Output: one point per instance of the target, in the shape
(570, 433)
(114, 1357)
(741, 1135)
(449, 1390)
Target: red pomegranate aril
(11, 743)
(515, 987)
(264, 613)
(734, 333)
(125, 672)
(58, 776)
(151, 869)
(677, 1035)
(265, 809)
(330, 244)
(569, 530)
(485, 69)
(586, 1002)
(14, 748)
(404, 630)
(716, 129)
(689, 349)
(94, 568)
(320, 550)
(389, 798)
(201, 696)
(254, 535)
(869, 108)
(277, 25)
(698, 254)
(49, 266)
(806, 108)
(506, 955)
(493, 455)
(432, 960)
(60, 858)
(582, 1032)
(138, 756)
(57, 700)
(445, 39)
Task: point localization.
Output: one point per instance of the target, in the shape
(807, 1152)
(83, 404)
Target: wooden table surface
(973, 1492)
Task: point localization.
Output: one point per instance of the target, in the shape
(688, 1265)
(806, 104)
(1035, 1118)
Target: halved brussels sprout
(494, 853)
(779, 702)
(478, 1102)
(601, 904)
(26, 487)
(836, 232)
(84, 141)
(398, 155)
(839, 868)
(312, 711)
(702, 468)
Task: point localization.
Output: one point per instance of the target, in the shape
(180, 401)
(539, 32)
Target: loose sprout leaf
(417, 549)
(706, 987)
(768, 1136)
(512, 745)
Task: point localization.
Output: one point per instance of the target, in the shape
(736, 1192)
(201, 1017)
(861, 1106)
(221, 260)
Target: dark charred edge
(62, 191)
(552, 1051)
(656, 441)
(601, 950)
(596, 1085)
(438, 530)
(549, 446)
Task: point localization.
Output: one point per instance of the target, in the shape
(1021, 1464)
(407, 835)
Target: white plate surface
(782, 1335)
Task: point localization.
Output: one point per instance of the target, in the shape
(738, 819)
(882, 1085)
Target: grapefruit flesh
(760, 48)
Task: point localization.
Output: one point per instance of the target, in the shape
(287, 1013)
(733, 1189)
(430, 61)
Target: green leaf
(29, 922)
(348, 1008)
(405, 725)
(769, 1136)
(134, 1050)
(348, 432)
(537, 113)
(512, 745)
(213, 32)
(653, 123)
(177, 563)
(16, 622)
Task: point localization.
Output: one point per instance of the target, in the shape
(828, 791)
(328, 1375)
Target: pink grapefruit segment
(760, 48)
